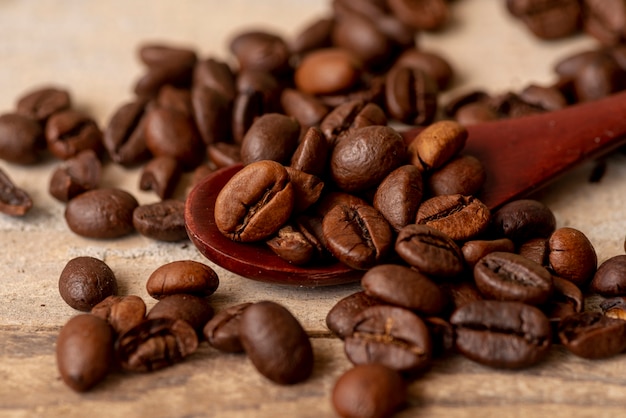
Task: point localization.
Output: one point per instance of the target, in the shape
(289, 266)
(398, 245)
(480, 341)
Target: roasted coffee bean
(161, 175)
(605, 20)
(437, 144)
(307, 109)
(399, 195)
(433, 64)
(76, 175)
(259, 50)
(155, 54)
(292, 245)
(474, 250)
(463, 99)
(314, 35)
(523, 219)
(121, 312)
(614, 307)
(167, 64)
(222, 331)
(248, 106)
(307, 189)
(464, 175)
(69, 132)
(155, 344)
(361, 36)
(568, 67)
(545, 98)
(215, 74)
(391, 336)
(183, 276)
(363, 158)
(255, 202)
(610, 278)
(567, 299)
(273, 136)
(14, 201)
(369, 89)
(124, 137)
(461, 292)
(512, 277)
(473, 113)
(21, 139)
(212, 113)
(548, 19)
(460, 217)
(535, 249)
(224, 154)
(311, 227)
(369, 390)
(340, 318)
(42, 102)
(509, 335)
(194, 310)
(276, 343)
(441, 334)
(84, 351)
(411, 95)
(175, 99)
(572, 256)
(328, 71)
(402, 286)
(422, 14)
(430, 251)
(357, 235)
(161, 221)
(85, 282)
(311, 155)
(101, 213)
(350, 115)
(593, 335)
(598, 78)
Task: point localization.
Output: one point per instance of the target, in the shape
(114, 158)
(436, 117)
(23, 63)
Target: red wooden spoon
(520, 155)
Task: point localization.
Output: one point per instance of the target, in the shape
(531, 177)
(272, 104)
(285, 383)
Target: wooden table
(90, 48)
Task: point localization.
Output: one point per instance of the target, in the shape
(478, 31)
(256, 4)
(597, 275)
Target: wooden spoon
(520, 155)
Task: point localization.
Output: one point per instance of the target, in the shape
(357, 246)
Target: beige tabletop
(89, 47)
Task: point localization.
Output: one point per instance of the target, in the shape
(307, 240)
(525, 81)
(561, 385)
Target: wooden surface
(89, 47)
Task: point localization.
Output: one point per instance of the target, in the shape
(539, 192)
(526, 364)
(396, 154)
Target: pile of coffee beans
(324, 177)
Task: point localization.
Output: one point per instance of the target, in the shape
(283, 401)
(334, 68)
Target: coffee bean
(124, 137)
(155, 344)
(260, 50)
(604, 22)
(183, 276)
(369, 390)
(460, 217)
(121, 312)
(509, 335)
(464, 175)
(255, 202)
(222, 331)
(411, 95)
(43, 102)
(461, 292)
(68, 132)
(473, 113)
(593, 335)
(276, 343)
(546, 98)
(217, 75)
(430, 251)
(311, 155)
(327, 71)
(572, 255)
(399, 195)
(166, 65)
(405, 287)
(315, 35)
(391, 336)
(306, 108)
(340, 318)
(350, 115)
(512, 277)
(84, 351)
(14, 201)
(273, 136)
(194, 310)
(535, 249)
(76, 175)
(224, 154)
(548, 19)
(437, 144)
(21, 139)
(523, 219)
(85, 282)
(161, 221)
(423, 14)
(610, 278)
(292, 245)
(433, 64)
(212, 113)
(474, 250)
(160, 175)
(598, 78)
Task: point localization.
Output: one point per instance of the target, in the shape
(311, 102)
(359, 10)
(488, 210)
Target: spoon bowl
(519, 155)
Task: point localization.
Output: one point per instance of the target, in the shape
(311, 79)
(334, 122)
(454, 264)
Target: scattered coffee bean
(21, 139)
(183, 276)
(14, 201)
(161, 221)
(593, 335)
(76, 175)
(610, 278)
(340, 319)
(222, 331)
(85, 282)
(121, 312)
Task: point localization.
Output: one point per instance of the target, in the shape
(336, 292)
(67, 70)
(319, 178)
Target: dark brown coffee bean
(369, 89)
(42, 102)
(101, 213)
(292, 245)
(568, 67)
(402, 286)
(464, 175)
(357, 235)
(85, 282)
(222, 331)
(212, 113)
(167, 64)
(535, 249)
(276, 343)
(69, 132)
(307, 109)
(605, 20)
(259, 50)
(614, 307)
(512, 277)
(361, 36)
(124, 137)
(84, 351)
(248, 106)
(433, 64)
(369, 390)
(194, 310)
(76, 175)
(391, 336)
(340, 318)
(14, 201)
(311, 155)
(548, 19)
(154, 54)
(314, 35)
(255, 202)
(473, 113)
(411, 95)
(460, 217)
(121, 312)
(350, 115)
(545, 98)
(598, 78)
(311, 227)
(183, 276)
(463, 99)
(273, 136)
(161, 175)
(328, 71)
(437, 144)
(224, 154)
(567, 299)
(509, 335)
(429, 250)
(155, 344)
(399, 195)
(161, 221)
(215, 74)
(307, 189)
(441, 334)
(21, 139)
(572, 256)
(593, 335)
(474, 250)
(421, 14)
(461, 292)
(365, 157)
(175, 99)
(523, 219)
(610, 278)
